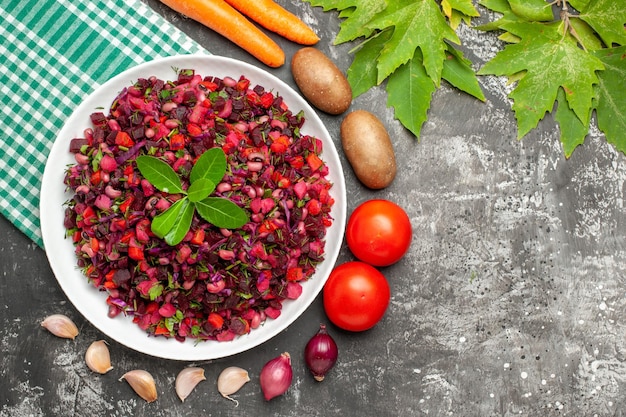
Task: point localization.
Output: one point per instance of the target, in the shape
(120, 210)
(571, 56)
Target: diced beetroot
(167, 310)
(272, 312)
(294, 290)
(77, 143)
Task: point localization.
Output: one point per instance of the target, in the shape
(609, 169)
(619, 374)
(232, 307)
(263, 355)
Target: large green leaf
(611, 96)
(458, 10)
(409, 92)
(457, 70)
(537, 10)
(549, 61)
(359, 12)
(466, 7)
(363, 73)
(394, 33)
(502, 7)
(606, 17)
(417, 24)
(573, 131)
(586, 36)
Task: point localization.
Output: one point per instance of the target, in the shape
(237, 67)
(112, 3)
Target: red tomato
(356, 296)
(379, 232)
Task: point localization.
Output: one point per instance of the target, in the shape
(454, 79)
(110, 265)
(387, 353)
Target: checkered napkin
(53, 53)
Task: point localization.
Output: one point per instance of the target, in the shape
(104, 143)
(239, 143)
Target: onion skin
(276, 376)
(320, 354)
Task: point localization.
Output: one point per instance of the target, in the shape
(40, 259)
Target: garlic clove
(60, 325)
(231, 380)
(142, 383)
(98, 358)
(186, 381)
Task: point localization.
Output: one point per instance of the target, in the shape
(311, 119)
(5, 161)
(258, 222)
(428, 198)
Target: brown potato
(368, 148)
(320, 81)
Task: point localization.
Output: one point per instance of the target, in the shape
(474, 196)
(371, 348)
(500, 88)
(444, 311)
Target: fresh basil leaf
(200, 189)
(211, 165)
(164, 222)
(222, 213)
(181, 225)
(160, 174)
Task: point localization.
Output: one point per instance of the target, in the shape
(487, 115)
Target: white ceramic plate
(60, 251)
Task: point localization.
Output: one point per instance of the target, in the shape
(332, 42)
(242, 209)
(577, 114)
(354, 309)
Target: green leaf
(363, 74)
(181, 225)
(573, 131)
(459, 10)
(611, 96)
(586, 35)
(465, 7)
(222, 213)
(457, 71)
(155, 292)
(502, 7)
(606, 17)
(409, 92)
(417, 24)
(550, 61)
(211, 165)
(160, 174)
(356, 13)
(200, 189)
(164, 222)
(579, 4)
(536, 10)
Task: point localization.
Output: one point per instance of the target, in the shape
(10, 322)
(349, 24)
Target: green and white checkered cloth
(54, 53)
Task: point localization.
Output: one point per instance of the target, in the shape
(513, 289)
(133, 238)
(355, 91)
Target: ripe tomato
(356, 296)
(379, 232)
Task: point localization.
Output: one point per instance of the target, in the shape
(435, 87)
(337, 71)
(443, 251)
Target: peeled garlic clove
(186, 381)
(142, 383)
(61, 326)
(98, 358)
(231, 380)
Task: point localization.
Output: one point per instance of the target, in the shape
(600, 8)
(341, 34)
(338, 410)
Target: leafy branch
(410, 44)
(574, 62)
(173, 224)
(568, 55)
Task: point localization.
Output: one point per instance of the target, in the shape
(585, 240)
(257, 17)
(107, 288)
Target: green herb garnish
(173, 224)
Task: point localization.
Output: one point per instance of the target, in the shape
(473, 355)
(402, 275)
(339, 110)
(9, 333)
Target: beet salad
(150, 246)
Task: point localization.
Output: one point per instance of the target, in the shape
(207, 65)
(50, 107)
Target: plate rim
(191, 349)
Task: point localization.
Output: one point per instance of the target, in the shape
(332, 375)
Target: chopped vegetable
(274, 17)
(228, 22)
(216, 283)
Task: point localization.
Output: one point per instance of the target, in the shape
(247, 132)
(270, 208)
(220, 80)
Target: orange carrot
(273, 17)
(219, 16)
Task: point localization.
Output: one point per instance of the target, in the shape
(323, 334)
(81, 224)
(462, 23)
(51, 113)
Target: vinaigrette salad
(216, 283)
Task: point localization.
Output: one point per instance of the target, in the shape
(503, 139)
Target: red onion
(276, 376)
(320, 353)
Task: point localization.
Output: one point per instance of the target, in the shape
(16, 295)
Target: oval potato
(320, 81)
(368, 148)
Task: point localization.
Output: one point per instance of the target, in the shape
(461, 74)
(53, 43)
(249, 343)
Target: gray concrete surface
(510, 302)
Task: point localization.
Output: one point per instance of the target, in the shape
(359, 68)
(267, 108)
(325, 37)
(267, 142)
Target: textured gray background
(510, 302)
